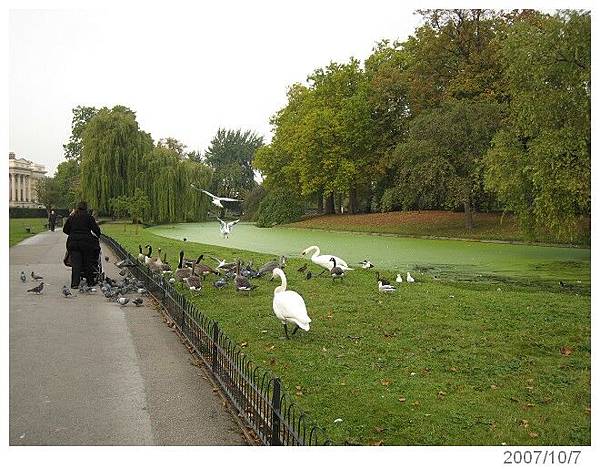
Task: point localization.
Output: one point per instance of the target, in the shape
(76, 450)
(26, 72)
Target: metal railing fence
(256, 394)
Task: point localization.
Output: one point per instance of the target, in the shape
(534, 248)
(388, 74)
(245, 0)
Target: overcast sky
(185, 72)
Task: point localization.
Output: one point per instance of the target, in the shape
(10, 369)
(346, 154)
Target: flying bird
(37, 289)
(226, 227)
(216, 200)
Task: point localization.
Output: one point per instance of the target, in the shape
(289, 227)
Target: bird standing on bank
(66, 292)
(35, 276)
(138, 301)
(336, 272)
(385, 288)
(409, 278)
(366, 264)
(37, 290)
(23, 277)
(399, 278)
(289, 306)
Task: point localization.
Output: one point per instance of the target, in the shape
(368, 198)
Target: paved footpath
(84, 371)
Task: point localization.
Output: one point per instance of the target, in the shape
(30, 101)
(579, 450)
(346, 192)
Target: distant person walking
(52, 220)
(83, 245)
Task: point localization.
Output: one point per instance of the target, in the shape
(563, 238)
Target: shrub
(279, 207)
(392, 200)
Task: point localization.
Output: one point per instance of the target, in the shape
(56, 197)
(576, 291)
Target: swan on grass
(324, 260)
(289, 306)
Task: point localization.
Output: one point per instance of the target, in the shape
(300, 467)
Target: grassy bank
(439, 362)
(17, 228)
(488, 226)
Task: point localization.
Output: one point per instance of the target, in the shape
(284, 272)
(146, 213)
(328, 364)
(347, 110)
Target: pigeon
(122, 300)
(106, 258)
(409, 278)
(66, 292)
(124, 263)
(35, 276)
(221, 283)
(308, 275)
(142, 291)
(303, 268)
(172, 280)
(23, 277)
(122, 272)
(138, 301)
(37, 289)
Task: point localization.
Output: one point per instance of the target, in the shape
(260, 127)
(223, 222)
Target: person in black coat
(52, 220)
(83, 245)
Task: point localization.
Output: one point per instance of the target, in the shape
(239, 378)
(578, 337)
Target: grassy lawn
(488, 226)
(439, 362)
(17, 231)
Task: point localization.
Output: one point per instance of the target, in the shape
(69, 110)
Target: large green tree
(442, 157)
(47, 193)
(67, 179)
(230, 156)
(113, 147)
(540, 161)
(81, 116)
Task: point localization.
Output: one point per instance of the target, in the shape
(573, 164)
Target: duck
(289, 306)
(366, 264)
(241, 282)
(336, 272)
(399, 278)
(383, 288)
(324, 260)
(182, 272)
(409, 278)
(384, 281)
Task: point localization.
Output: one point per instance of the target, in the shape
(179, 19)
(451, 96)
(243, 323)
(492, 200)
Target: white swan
(216, 200)
(324, 260)
(226, 227)
(289, 306)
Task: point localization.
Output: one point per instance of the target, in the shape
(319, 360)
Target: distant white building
(22, 178)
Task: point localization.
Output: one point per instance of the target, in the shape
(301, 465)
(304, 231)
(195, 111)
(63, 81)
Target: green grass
(17, 231)
(440, 362)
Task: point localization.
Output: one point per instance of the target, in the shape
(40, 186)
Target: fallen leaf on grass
(493, 386)
(299, 393)
(376, 443)
(413, 373)
(272, 361)
(324, 349)
(337, 421)
(379, 429)
(454, 369)
(385, 382)
(441, 394)
(533, 434)
(271, 347)
(416, 403)
(524, 423)
(243, 344)
(566, 351)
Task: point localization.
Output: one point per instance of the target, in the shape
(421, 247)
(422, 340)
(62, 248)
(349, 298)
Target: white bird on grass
(324, 260)
(409, 278)
(399, 278)
(385, 288)
(366, 264)
(289, 306)
(217, 200)
(226, 227)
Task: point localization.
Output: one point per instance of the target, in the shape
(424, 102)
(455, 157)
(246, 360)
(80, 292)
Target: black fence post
(276, 405)
(214, 347)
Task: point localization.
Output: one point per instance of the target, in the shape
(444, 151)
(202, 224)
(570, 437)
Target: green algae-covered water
(463, 259)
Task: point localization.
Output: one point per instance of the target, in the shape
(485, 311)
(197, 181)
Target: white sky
(185, 72)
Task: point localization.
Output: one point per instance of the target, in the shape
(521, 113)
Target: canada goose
(384, 281)
(289, 306)
(385, 288)
(193, 281)
(336, 272)
(241, 282)
(269, 266)
(182, 272)
(204, 269)
(141, 255)
(324, 260)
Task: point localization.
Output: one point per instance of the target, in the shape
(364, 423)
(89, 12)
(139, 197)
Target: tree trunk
(329, 204)
(340, 203)
(320, 201)
(468, 215)
(353, 201)
(369, 198)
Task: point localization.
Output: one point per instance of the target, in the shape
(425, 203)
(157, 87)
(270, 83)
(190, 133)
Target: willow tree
(166, 179)
(113, 145)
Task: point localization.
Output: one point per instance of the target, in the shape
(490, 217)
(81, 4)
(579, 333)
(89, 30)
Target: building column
(20, 188)
(12, 187)
(28, 186)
